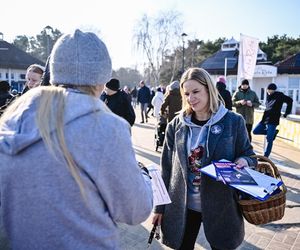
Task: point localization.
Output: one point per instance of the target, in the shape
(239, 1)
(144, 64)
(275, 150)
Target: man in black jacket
(143, 97)
(118, 101)
(271, 117)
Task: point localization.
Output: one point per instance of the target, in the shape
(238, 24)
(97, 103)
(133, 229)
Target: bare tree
(156, 37)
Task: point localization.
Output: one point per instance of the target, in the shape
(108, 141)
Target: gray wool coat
(222, 218)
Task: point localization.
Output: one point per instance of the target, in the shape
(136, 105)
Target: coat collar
(181, 138)
(181, 134)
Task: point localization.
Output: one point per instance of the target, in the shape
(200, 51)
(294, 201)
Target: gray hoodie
(198, 136)
(41, 205)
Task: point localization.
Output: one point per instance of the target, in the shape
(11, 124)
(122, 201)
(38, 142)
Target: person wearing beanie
(118, 101)
(271, 117)
(68, 168)
(225, 94)
(172, 101)
(245, 101)
(113, 84)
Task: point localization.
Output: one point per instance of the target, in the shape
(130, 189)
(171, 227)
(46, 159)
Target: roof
(231, 41)
(13, 57)
(215, 64)
(290, 65)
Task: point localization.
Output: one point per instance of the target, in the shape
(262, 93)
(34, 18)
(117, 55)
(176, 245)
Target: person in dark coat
(5, 95)
(150, 106)
(117, 100)
(172, 101)
(203, 131)
(46, 75)
(133, 94)
(225, 94)
(271, 117)
(144, 97)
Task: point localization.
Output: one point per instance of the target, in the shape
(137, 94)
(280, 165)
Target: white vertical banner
(247, 57)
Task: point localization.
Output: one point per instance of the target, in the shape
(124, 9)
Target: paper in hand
(160, 193)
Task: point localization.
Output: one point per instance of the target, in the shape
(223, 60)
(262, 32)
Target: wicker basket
(261, 212)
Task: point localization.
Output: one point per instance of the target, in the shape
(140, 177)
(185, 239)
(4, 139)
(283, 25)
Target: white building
(285, 74)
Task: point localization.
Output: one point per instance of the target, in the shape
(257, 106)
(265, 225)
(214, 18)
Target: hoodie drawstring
(207, 138)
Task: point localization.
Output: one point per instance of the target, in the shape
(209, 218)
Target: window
(22, 76)
(294, 83)
(6, 75)
(12, 75)
(262, 93)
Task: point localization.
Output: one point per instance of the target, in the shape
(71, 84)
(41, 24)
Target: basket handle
(274, 168)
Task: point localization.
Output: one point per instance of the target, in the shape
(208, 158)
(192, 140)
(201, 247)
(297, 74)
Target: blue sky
(114, 20)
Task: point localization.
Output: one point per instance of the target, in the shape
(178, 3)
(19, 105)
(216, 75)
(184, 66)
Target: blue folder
(266, 185)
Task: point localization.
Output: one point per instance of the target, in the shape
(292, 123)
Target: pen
(151, 235)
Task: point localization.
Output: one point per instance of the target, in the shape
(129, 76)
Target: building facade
(285, 74)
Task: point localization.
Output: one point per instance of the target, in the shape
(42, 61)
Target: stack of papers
(254, 183)
(160, 193)
(230, 174)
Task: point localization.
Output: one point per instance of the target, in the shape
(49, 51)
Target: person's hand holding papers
(241, 163)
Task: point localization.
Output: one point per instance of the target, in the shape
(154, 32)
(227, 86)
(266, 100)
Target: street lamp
(182, 36)
(48, 29)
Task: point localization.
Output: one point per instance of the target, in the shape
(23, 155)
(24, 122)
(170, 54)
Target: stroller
(160, 131)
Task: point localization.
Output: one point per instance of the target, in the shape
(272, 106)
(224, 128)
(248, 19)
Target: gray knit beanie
(79, 59)
(174, 85)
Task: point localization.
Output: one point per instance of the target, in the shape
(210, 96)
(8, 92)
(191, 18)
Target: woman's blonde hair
(202, 77)
(49, 118)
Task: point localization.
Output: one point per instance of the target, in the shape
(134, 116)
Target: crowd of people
(68, 166)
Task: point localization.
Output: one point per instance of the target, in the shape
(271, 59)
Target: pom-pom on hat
(113, 84)
(272, 86)
(80, 58)
(221, 79)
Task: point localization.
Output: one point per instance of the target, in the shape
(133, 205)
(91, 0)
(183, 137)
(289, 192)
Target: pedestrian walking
(225, 94)
(150, 106)
(157, 101)
(271, 117)
(117, 100)
(68, 169)
(172, 101)
(245, 100)
(204, 131)
(133, 94)
(143, 98)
